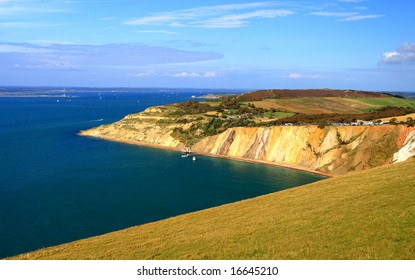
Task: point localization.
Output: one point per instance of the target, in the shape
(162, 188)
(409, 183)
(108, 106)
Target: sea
(57, 187)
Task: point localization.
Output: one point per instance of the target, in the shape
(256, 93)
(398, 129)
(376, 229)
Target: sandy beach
(278, 164)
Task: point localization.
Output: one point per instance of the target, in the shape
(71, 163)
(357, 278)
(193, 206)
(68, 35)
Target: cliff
(332, 150)
(407, 150)
(149, 128)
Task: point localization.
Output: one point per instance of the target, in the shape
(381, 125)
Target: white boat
(185, 155)
(194, 158)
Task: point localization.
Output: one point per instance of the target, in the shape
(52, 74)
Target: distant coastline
(7, 95)
(28, 91)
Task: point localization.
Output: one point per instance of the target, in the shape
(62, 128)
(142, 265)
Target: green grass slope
(365, 215)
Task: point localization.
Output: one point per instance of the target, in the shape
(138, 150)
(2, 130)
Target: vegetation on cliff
(298, 93)
(280, 107)
(364, 215)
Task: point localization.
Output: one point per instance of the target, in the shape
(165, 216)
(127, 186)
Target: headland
(329, 132)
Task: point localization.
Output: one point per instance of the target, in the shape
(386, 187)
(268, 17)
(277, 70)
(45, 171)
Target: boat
(185, 155)
(194, 158)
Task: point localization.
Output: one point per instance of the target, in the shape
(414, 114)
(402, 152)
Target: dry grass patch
(400, 118)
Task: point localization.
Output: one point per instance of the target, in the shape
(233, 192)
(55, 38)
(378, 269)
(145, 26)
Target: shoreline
(156, 146)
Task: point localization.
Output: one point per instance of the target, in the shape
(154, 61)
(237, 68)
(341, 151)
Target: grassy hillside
(365, 215)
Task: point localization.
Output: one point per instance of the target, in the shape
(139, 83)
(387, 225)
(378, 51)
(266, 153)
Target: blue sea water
(56, 186)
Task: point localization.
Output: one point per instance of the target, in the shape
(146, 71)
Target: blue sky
(345, 44)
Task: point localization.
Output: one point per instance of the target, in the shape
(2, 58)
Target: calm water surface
(57, 187)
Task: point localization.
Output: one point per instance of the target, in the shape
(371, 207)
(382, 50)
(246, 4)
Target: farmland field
(330, 105)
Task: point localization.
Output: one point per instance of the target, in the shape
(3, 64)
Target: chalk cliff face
(407, 150)
(333, 149)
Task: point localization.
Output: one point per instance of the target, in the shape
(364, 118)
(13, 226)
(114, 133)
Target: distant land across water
(56, 187)
(10, 91)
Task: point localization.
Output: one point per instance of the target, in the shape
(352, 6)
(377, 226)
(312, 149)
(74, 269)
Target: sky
(339, 44)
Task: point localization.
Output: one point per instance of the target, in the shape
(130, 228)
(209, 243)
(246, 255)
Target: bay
(56, 187)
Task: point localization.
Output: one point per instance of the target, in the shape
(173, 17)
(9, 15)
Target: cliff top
(298, 93)
(191, 121)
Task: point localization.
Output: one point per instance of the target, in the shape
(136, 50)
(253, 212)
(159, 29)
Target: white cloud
(239, 20)
(335, 14)
(209, 74)
(408, 47)
(302, 76)
(360, 17)
(346, 16)
(24, 24)
(294, 76)
(402, 55)
(184, 74)
(122, 56)
(153, 20)
(29, 7)
(218, 16)
(390, 55)
(22, 48)
(150, 73)
(54, 65)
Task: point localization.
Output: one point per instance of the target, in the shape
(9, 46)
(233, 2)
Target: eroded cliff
(147, 128)
(333, 150)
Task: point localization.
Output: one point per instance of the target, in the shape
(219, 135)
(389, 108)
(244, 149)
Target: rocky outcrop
(334, 150)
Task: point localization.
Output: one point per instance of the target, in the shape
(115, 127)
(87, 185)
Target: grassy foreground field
(364, 215)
